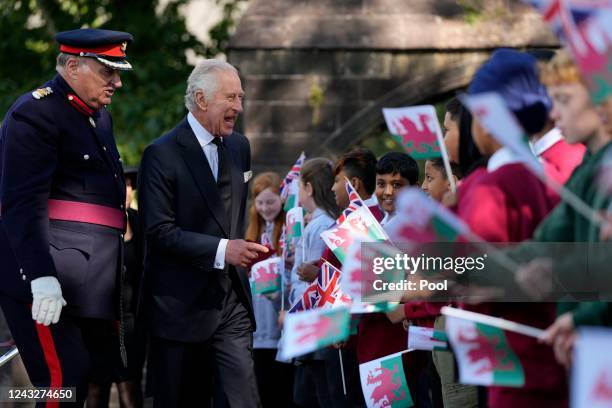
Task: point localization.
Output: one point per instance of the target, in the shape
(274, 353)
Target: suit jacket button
(23, 277)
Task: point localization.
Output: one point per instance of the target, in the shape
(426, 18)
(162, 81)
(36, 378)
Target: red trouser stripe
(51, 358)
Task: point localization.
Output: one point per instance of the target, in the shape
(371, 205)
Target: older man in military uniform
(62, 215)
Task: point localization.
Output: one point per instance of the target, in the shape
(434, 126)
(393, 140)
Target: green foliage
(151, 100)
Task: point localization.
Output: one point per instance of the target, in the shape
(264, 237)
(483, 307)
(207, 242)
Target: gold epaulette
(42, 92)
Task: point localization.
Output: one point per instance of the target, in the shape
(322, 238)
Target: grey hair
(204, 78)
(62, 60)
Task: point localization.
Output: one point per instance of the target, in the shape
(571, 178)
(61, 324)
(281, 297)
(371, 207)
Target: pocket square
(248, 175)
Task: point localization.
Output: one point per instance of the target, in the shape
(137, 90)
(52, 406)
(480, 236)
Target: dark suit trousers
(58, 355)
(189, 374)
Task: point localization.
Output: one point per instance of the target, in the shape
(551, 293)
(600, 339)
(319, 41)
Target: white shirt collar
(500, 158)
(371, 202)
(547, 141)
(204, 137)
(388, 217)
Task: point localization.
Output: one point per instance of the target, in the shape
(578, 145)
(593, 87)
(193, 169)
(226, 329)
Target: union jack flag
(327, 285)
(308, 300)
(355, 202)
(322, 293)
(293, 174)
(565, 17)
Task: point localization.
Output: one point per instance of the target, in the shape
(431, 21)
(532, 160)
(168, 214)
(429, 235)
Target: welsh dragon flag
(592, 369)
(492, 112)
(265, 276)
(314, 329)
(359, 224)
(351, 282)
(426, 338)
(295, 223)
(421, 219)
(416, 129)
(384, 384)
(292, 200)
(483, 354)
(584, 27)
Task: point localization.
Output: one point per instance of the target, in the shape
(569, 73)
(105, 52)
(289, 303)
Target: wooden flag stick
(342, 371)
(492, 321)
(445, 159)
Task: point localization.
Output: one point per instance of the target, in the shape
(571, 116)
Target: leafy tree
(151, 100)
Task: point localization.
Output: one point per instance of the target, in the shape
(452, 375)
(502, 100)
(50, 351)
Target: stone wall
(316, 73)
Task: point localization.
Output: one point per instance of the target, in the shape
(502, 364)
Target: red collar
(79, 105)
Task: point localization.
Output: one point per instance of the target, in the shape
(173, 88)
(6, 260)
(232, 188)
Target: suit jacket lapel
(237, 184)
(200, 170)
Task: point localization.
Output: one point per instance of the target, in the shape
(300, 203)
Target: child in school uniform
(436, 183)
(266, 220)
(582, 122)
(394, 171)
(315, 384)
(506, 204)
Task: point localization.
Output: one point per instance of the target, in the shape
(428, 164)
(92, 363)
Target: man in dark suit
(193, 189)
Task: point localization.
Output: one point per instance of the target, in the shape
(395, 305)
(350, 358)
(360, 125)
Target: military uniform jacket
(50, 150)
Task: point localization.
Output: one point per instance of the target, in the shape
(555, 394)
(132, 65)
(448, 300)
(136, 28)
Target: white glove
(47, 300)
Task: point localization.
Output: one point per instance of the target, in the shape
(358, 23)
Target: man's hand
(535, 278)
(242, 253)
(308, 271)
(47, 300)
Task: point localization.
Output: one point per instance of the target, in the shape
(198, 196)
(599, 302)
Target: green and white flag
(421, 219)
(293, 189)
(353, 283)
(483, 354)
(426, 338)
(416, 129)
(295, 223)
(360, 225)
(265, 276)
(384, 384)
(314, 329)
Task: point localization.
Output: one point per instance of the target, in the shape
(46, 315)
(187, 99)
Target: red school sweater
(506, 205)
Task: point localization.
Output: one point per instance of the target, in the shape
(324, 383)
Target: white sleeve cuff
(220, 256)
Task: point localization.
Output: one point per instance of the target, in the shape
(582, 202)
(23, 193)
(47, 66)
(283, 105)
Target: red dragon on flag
(322, 327)
(388, 386)
(420, 138)
(488, 349)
